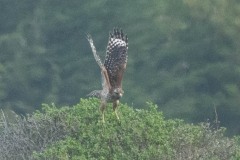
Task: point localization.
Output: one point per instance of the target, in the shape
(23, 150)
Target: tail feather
(95, 93)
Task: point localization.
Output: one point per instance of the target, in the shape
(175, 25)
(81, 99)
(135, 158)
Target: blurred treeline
(184, 55)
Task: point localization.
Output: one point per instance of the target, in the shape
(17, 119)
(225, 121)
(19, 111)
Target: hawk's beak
(120, 94)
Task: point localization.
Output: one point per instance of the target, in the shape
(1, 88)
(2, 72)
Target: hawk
(111, 70)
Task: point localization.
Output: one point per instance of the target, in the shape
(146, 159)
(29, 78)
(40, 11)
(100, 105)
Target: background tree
(183, 55)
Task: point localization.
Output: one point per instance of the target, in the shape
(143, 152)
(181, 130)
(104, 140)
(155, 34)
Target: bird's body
(112, 69)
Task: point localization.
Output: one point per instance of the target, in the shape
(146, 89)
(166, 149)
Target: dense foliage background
(183, 55)
(77, 132)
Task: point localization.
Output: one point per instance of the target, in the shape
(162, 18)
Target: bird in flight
(111, 70)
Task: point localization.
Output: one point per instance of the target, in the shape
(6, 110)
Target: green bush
(78, 133)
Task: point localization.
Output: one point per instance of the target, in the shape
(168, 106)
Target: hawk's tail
(95, 93)
(96, 56)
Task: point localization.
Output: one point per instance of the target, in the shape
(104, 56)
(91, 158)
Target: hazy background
(184, 55)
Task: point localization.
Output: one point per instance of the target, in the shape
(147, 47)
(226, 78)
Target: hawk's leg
(115, 105)
(102, 109)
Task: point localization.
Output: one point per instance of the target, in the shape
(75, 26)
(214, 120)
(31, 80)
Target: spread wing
(116, 57)
(105, 79)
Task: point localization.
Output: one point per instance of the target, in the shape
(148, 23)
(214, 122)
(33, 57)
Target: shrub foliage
(78, 133)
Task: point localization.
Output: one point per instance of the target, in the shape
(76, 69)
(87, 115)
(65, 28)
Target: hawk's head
(117, 93)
